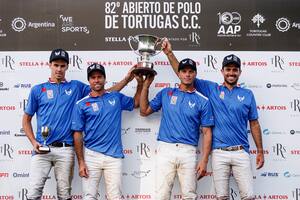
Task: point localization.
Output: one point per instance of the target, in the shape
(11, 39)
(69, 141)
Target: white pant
(237, 161)
(175, 158)
(62, 159)
(112, 171)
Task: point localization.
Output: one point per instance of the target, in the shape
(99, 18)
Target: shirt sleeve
(32, 104)
(77, 119)
(127, 103)
(252, 115)
(156, 103)
(84, 89)
(207, 117)
(204, 87)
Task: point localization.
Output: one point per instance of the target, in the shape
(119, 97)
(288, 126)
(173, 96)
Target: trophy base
(44, 149)
(144, 71)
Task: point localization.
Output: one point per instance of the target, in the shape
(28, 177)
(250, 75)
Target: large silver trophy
(146, 47)
(45, 131)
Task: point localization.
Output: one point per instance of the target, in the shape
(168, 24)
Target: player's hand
(260, 160)
(36, 147)
(139, 78)
(83, 170)
(166, 46)
(149, 79)
(201, 169)
(129, 76)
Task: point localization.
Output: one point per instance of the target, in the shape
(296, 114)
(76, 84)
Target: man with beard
(233, 107)
(98, 115)
(184, 110)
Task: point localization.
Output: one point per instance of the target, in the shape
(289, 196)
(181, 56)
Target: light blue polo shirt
(182, 115)
(53, 104)
(232, 110)
(100, 119)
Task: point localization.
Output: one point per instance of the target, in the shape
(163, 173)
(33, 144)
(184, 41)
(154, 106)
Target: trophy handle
(135, 40)
(159, 41)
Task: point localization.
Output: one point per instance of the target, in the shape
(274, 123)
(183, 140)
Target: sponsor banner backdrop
(272, 76)
(269, 25)
(264, 34)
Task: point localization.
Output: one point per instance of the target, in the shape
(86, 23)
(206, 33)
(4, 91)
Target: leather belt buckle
(60, 144)
(232, 148)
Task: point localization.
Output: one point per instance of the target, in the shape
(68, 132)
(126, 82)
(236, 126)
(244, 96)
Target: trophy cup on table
(45, 131)
(146, 48)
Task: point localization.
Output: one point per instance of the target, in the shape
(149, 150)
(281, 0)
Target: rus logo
(6, 151)
(295, 105)
(143, 149)
(7, 62)
(211, 62)
(279, 150)
(23, 194)
(278, 62)
(296, 194)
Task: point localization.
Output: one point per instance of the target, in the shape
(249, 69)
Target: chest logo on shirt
(192, 105)
(173, 100)
(95, 107)
(50, 94)
(240, 98)
(222, 95)
(68, 92)
(112, 102)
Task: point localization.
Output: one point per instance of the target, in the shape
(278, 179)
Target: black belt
(232, 148)
(60, 144)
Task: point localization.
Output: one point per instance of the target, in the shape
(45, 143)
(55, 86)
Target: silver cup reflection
(147, 46)
(45, 131)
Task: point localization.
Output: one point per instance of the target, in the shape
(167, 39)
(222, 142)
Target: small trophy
(45, 133)
(146, 48)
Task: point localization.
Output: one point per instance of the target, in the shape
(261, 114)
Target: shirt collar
(94, 96)
(63, 81)
(188, 91)
(224, 86)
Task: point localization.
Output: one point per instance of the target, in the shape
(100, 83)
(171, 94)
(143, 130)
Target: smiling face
(97, 81)
(58, 70)
(231, 74)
